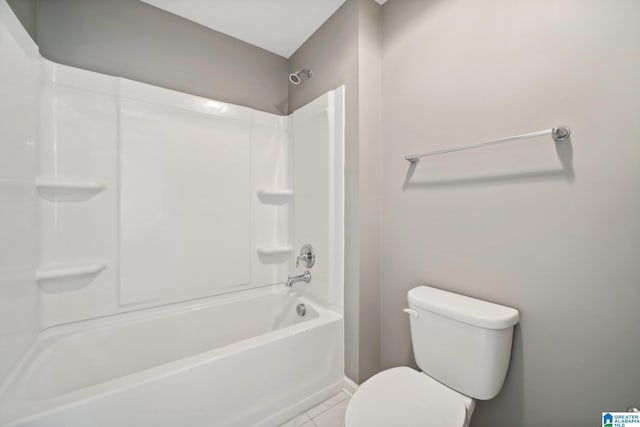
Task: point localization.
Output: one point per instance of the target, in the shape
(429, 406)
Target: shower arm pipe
(559, 134)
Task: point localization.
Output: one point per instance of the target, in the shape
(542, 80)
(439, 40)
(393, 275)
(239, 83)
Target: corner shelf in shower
(57, 190)
(274, 254)
(275, 197)
(68, 276)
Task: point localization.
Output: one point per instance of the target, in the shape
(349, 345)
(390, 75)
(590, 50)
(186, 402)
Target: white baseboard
(349, 386)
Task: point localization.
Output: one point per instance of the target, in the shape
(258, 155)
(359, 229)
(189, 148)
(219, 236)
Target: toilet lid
(407, 398)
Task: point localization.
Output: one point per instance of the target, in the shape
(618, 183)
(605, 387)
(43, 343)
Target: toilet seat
(405, 397)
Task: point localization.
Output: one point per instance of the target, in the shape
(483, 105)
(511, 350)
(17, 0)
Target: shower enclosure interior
(133, 214)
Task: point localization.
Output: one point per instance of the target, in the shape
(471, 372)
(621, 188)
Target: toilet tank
(463, 342)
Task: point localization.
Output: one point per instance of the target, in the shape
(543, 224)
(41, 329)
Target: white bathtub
(245, 359)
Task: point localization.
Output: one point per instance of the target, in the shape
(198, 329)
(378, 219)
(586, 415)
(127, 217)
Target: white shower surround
(19, 241)
(177, 215)
(117, 157)
(147, 188)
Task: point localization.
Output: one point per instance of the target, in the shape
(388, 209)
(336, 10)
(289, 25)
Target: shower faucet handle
(307, 256)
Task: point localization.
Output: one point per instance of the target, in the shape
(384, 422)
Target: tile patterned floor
(329, 413)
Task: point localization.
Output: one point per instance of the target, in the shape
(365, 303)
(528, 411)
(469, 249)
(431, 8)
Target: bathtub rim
(15, 410)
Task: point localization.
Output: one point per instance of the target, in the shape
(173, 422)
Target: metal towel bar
(558, 134)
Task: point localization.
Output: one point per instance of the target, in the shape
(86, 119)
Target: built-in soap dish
(56, 190)
(56, 278)
(274, 254)
(275, 197)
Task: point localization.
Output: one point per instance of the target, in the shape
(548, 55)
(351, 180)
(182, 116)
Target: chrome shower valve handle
(307, 256)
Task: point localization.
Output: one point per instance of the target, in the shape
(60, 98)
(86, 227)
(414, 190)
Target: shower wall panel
(19, 71)
(185, 203)
(318, 132)
(151, 196)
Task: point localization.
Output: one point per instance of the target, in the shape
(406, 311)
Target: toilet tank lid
(462, 308)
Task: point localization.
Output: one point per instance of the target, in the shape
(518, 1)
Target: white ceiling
(279, 26)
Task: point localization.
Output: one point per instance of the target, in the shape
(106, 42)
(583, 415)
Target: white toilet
(462, 345)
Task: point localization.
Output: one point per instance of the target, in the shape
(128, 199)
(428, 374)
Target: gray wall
(369, 183)
(131, 39)
(332, 53)
(552, 231)
(337, 53)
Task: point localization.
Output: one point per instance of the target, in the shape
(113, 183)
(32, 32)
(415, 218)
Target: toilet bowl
(408, 398)
(462, 345)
